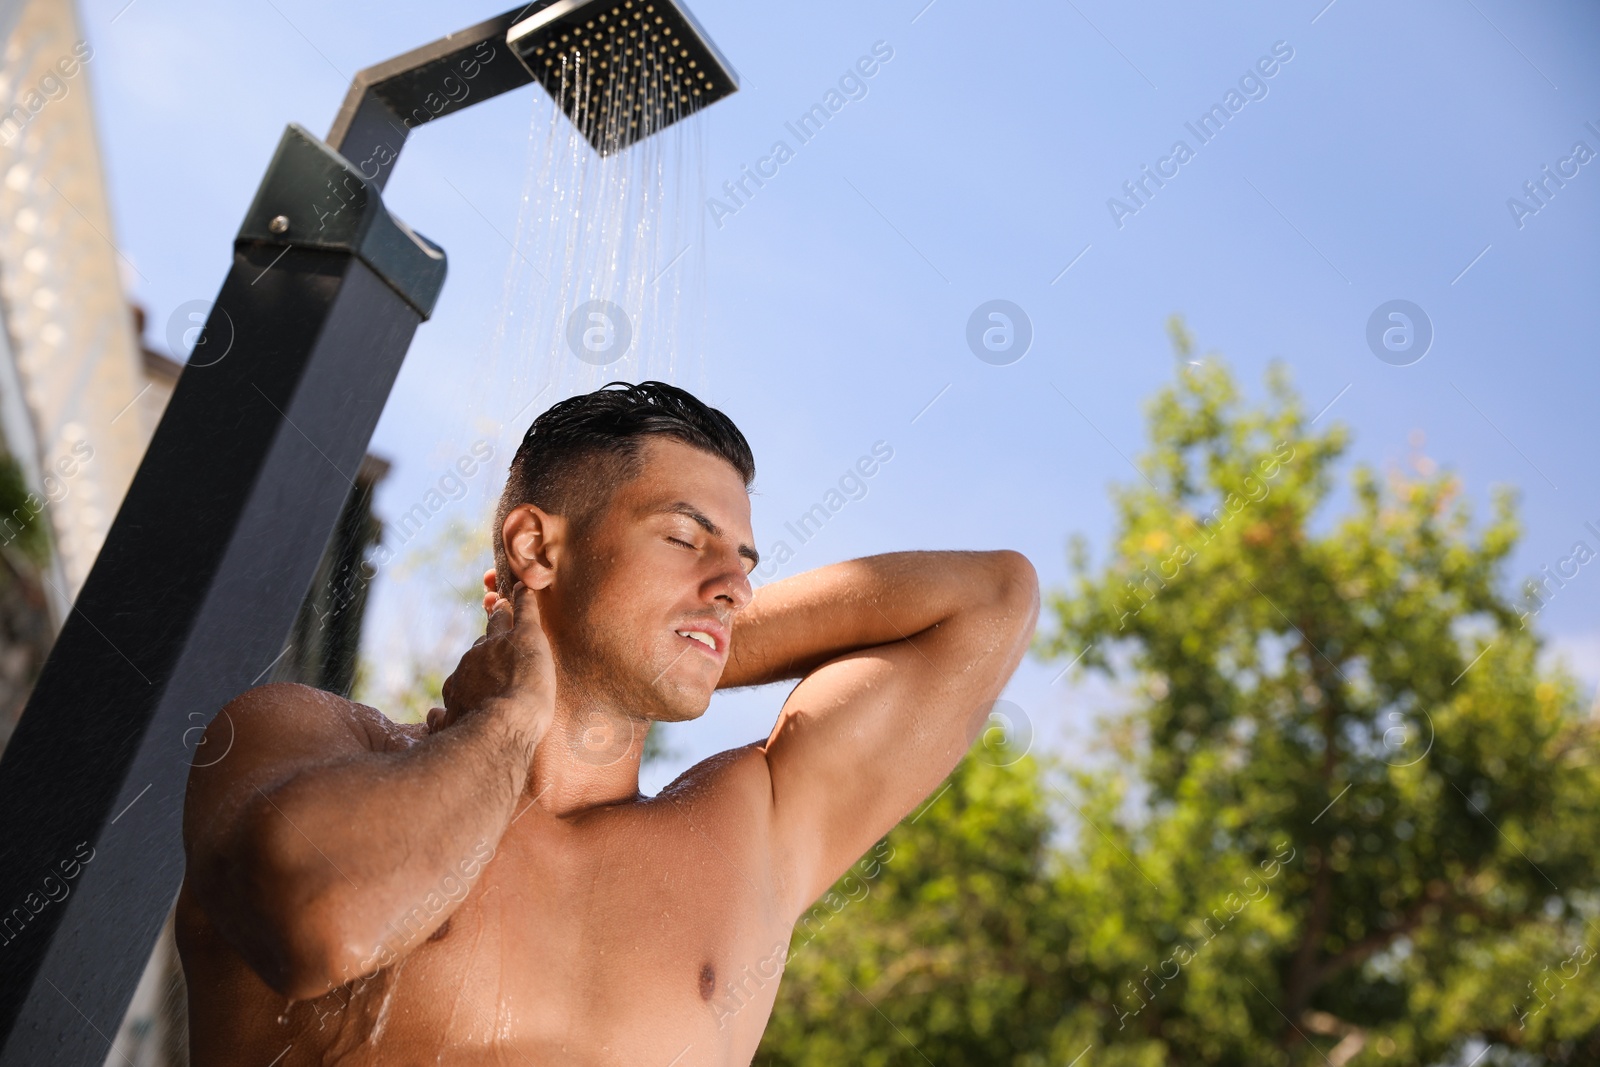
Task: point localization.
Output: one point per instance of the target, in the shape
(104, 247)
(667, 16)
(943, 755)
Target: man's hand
(312, 843)
(509, 668)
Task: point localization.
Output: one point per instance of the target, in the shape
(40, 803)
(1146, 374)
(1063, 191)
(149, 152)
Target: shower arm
(386, 101)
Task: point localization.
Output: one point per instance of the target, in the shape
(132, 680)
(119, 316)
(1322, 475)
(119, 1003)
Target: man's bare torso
(596, 927)
(634, 933)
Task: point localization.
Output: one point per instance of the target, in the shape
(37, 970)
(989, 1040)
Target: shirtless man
(492, 887)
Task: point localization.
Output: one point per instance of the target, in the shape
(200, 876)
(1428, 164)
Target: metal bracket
(312, 197)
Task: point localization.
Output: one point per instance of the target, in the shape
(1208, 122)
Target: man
(492, 887)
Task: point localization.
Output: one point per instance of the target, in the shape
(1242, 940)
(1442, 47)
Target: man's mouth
(700, 636)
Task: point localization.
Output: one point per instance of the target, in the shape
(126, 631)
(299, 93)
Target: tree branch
(1352, 1038)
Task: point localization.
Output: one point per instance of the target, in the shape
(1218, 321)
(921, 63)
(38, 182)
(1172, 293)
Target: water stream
(607, 280)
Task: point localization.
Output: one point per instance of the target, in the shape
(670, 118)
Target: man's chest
(635, 940)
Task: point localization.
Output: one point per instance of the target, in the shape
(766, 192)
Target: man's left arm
(900, 656)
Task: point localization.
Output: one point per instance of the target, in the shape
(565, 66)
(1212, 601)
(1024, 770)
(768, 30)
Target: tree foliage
(22, 522)
(940, 943)
(1346, 817)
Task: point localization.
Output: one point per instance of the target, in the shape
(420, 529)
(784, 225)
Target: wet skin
(491, 887)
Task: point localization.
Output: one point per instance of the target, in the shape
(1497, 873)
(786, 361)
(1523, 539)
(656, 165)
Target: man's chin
(679, 695)
(685, 708)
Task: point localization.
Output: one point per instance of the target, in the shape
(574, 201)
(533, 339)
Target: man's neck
(589, 758)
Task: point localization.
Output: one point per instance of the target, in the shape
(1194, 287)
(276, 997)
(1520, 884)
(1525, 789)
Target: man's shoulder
(731, 769)
(290, 716)
(285, 703)
(729, 801)
(733, 787)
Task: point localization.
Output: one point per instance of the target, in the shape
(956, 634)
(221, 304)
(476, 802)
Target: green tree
(941, 943)
(22, 523)
(1356, 702)
(26, 633)
(1345, 819)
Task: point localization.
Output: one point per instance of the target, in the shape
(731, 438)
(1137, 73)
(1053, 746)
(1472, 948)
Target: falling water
(607, 276)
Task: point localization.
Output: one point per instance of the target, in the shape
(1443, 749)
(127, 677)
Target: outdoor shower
(221, 531)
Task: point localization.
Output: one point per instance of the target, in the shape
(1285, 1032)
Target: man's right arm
(309, 846)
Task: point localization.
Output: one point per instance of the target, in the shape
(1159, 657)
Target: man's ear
(535, 542)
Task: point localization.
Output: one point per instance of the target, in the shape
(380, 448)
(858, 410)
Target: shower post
(213, 547)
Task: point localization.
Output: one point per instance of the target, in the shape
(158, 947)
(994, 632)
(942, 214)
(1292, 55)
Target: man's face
(669, 556)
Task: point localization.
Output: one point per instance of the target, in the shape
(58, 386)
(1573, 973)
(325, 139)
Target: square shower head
(622, 69)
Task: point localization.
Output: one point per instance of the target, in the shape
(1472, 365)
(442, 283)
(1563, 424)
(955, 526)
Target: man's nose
(732, 585)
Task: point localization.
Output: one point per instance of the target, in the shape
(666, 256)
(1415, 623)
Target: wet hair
(580, 451)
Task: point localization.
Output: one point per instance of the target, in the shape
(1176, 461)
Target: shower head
(621, 69)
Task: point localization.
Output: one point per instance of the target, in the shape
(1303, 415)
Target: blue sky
(1374, 164)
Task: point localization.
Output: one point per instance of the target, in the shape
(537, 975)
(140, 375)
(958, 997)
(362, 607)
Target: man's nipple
(708, 981)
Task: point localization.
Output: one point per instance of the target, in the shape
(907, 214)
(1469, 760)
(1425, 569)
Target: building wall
(71, 352)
